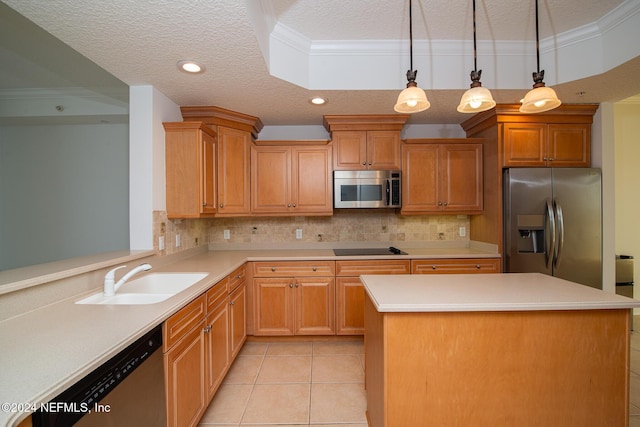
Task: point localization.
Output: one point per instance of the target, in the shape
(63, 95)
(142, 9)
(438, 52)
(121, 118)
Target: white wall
(627, 175)
(148, 109)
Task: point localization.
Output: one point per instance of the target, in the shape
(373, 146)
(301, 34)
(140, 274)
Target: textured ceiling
(139, 42)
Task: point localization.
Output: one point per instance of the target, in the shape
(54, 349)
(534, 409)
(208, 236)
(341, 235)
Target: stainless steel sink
(149, 289)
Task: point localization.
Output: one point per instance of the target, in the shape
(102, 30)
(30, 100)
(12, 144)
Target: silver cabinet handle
(294, 205)
(291, 285)
(289, 205)
(297, 285)
(232, 302)
(222, 205)
(433, 267)
(207, 329)
(364, 163)
(445, 203)
(273, 269)
(439, 203)
(314, 268)
(239, 276)
(478, 266)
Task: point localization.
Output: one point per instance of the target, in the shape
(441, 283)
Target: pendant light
(540, 98)
(412, 99)
(477, 98)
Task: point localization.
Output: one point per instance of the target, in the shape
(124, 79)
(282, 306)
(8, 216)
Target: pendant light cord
(537, 40)
(410, 37)
(475, 55)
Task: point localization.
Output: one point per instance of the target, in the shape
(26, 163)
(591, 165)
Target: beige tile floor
(271, 384)
(319, 384)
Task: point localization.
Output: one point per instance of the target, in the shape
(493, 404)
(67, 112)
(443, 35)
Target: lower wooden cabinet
(294, 298)
(455, 266)
(200, 343)
(217, 348)
(184, 360)
(238, 318)
(350, 291)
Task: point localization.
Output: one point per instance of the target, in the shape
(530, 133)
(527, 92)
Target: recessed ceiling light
(318, 100)
(190, 66)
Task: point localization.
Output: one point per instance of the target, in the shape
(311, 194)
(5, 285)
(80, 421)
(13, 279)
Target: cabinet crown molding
(365, 122)
(217, 116)
(178, 126)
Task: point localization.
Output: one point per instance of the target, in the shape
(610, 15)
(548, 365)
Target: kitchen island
(495, 350)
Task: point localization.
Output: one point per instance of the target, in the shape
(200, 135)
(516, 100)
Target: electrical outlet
(161, 243)
(227, 234)
(298, 233)
(178, 241)
(463, 231)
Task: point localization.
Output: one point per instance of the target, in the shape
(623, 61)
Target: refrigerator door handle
(560, 226)
(550, 227)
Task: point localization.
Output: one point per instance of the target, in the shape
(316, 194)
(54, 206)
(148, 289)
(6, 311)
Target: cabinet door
(383, 150)
(315, 306)
(234, 188)
(216, 346)
(461, 168)
(569, 145)
(185, 380)
(420, 178)
(190, 170)
(350, 150)
(208, 181)
(238, 315)
(270, 179)
(349, 306)
(524, 144)
(273, 306)
(311, 185)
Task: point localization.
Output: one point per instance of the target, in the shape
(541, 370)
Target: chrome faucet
(110, 288)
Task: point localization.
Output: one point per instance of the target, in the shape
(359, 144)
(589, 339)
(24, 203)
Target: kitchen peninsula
(494, 350)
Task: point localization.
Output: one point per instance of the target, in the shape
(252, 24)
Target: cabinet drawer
(216, 293)
(238, 277)
(455, 266)
(356, 268)
(183, 321)
(294, 268)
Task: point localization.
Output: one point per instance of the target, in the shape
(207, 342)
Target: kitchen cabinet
(190, 152)
(234, 184)
(362, 150)
(238, 311)
(200, 343)
(364, 142)
(235, 132)
(217, 340)
(184, 360)
(546, 145)
(442, 176)
(350, 291)
(294, 298)
(291, 180)
(455, 266)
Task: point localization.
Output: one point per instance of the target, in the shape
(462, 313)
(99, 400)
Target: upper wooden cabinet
(235, 133)
(291, 179)
(442, 175)
(190, 152)
(547, 145)
(366, 142)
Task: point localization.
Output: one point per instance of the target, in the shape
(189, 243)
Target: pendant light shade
(540, 98)
(412, 99)
(477, 98)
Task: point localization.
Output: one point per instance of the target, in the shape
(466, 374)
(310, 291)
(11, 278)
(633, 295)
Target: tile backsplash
(366, 225)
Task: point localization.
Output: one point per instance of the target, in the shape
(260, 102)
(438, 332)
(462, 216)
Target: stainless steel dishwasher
(127, 390)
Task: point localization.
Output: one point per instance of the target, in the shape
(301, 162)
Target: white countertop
(46, 350)
(486, 292)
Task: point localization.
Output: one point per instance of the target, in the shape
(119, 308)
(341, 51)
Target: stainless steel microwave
(366, 189)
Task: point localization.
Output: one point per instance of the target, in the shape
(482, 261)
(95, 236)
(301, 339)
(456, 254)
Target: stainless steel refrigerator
(553, 223)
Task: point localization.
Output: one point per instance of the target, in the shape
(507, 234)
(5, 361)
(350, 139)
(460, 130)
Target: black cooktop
(369, 251)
